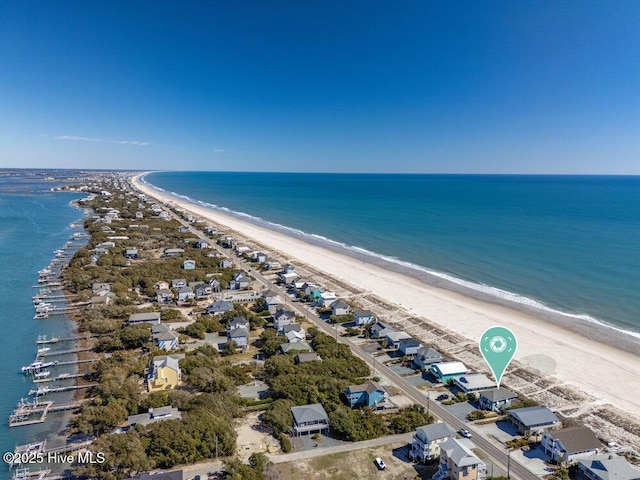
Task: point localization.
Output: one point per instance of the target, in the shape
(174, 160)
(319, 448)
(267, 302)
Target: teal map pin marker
(498, 345)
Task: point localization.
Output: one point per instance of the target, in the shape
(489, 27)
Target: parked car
(444, 396)
(379, 463)
(465, 433)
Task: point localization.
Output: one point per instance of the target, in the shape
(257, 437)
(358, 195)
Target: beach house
(149, 317)
(185, 294)
(238, 331)
(272, 301)
(309, 419)
(339, 307)
(131, 253)
(326, 299)
(164, 296)
(189, 265)
(496, 399)
(178, 282)
(163, 337)
(393, 337)
(533, 420)
(294, 332)
(408, 346)
(458, 462)
(296, 347)
(608, 466)
(568, 445)
(282, 318)
(164, 373)
(426, 442)
(443, 372)
(363, 317)
(426, 356)
(219, 307)
(474, 382)
(225, 263)
(154, 415)
(239, 282)
(368, 394)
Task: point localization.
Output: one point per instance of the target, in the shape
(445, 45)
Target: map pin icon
(498, 345)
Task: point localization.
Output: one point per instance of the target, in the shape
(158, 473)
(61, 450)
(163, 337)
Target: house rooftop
(450, 368)
(309, 413)
(475, 381)
(610, 467)
(369, 386)
(435, 431)
(409, 342)
(576, 439)
(295, 346)
(363, 313)
(461, 455)
(534, 416)
(499, 394)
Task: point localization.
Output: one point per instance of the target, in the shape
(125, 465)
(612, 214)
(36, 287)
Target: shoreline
(619, 336)
(578, 360)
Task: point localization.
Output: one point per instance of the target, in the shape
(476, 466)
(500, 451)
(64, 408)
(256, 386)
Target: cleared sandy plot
(357, 464)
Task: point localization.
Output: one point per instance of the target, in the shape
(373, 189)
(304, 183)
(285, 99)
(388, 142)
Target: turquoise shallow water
(33, 223)
(556, 243)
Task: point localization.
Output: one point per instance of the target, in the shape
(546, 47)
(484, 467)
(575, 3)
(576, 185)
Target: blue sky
(363, 86)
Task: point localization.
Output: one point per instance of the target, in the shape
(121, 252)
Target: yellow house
(165, 373)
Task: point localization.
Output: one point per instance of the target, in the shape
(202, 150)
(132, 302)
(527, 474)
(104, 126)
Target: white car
(380, 464)
(465, 433)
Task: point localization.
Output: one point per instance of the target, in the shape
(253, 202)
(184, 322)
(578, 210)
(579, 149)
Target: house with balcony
(568, 445)
(496, 399)
(309, 419)
(458, 462)
(425, 446)
(608, 466)
(426, 356)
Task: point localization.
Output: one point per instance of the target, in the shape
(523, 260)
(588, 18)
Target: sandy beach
(607, 375)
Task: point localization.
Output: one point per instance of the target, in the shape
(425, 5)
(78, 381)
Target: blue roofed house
(426, 356)
(368, 394)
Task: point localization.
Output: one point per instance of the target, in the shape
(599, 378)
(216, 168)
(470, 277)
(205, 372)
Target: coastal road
(497, 455)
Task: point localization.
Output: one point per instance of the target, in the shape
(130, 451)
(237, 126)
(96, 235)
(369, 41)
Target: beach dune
(607, 374)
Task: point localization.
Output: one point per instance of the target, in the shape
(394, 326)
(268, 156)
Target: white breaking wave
(350, 249)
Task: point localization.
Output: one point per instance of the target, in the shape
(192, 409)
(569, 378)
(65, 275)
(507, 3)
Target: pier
(47, 390)
(62, 376)
(43, 340)
(63, 352)
(24, 412)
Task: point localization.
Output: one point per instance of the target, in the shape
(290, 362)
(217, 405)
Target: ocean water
(33, 223)
(555, 244)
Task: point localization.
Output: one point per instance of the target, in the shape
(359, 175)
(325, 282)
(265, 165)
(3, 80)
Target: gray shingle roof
(534, 416)
(610, 467)
(576, 439)
(432, 432)
(309, 413)
(498, 394)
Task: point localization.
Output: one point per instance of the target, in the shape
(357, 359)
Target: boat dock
(63, 352)
(62, 376)
(24, 412)
(45, 390)
(25, 474)
(43, 340)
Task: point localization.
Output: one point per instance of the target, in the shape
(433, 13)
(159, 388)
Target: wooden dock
(43, 340)
(61, 377)
(61, 389)
(64, 352)
(21, 416)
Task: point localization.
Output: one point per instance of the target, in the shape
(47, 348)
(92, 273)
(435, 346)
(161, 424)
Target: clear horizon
(363, 87)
